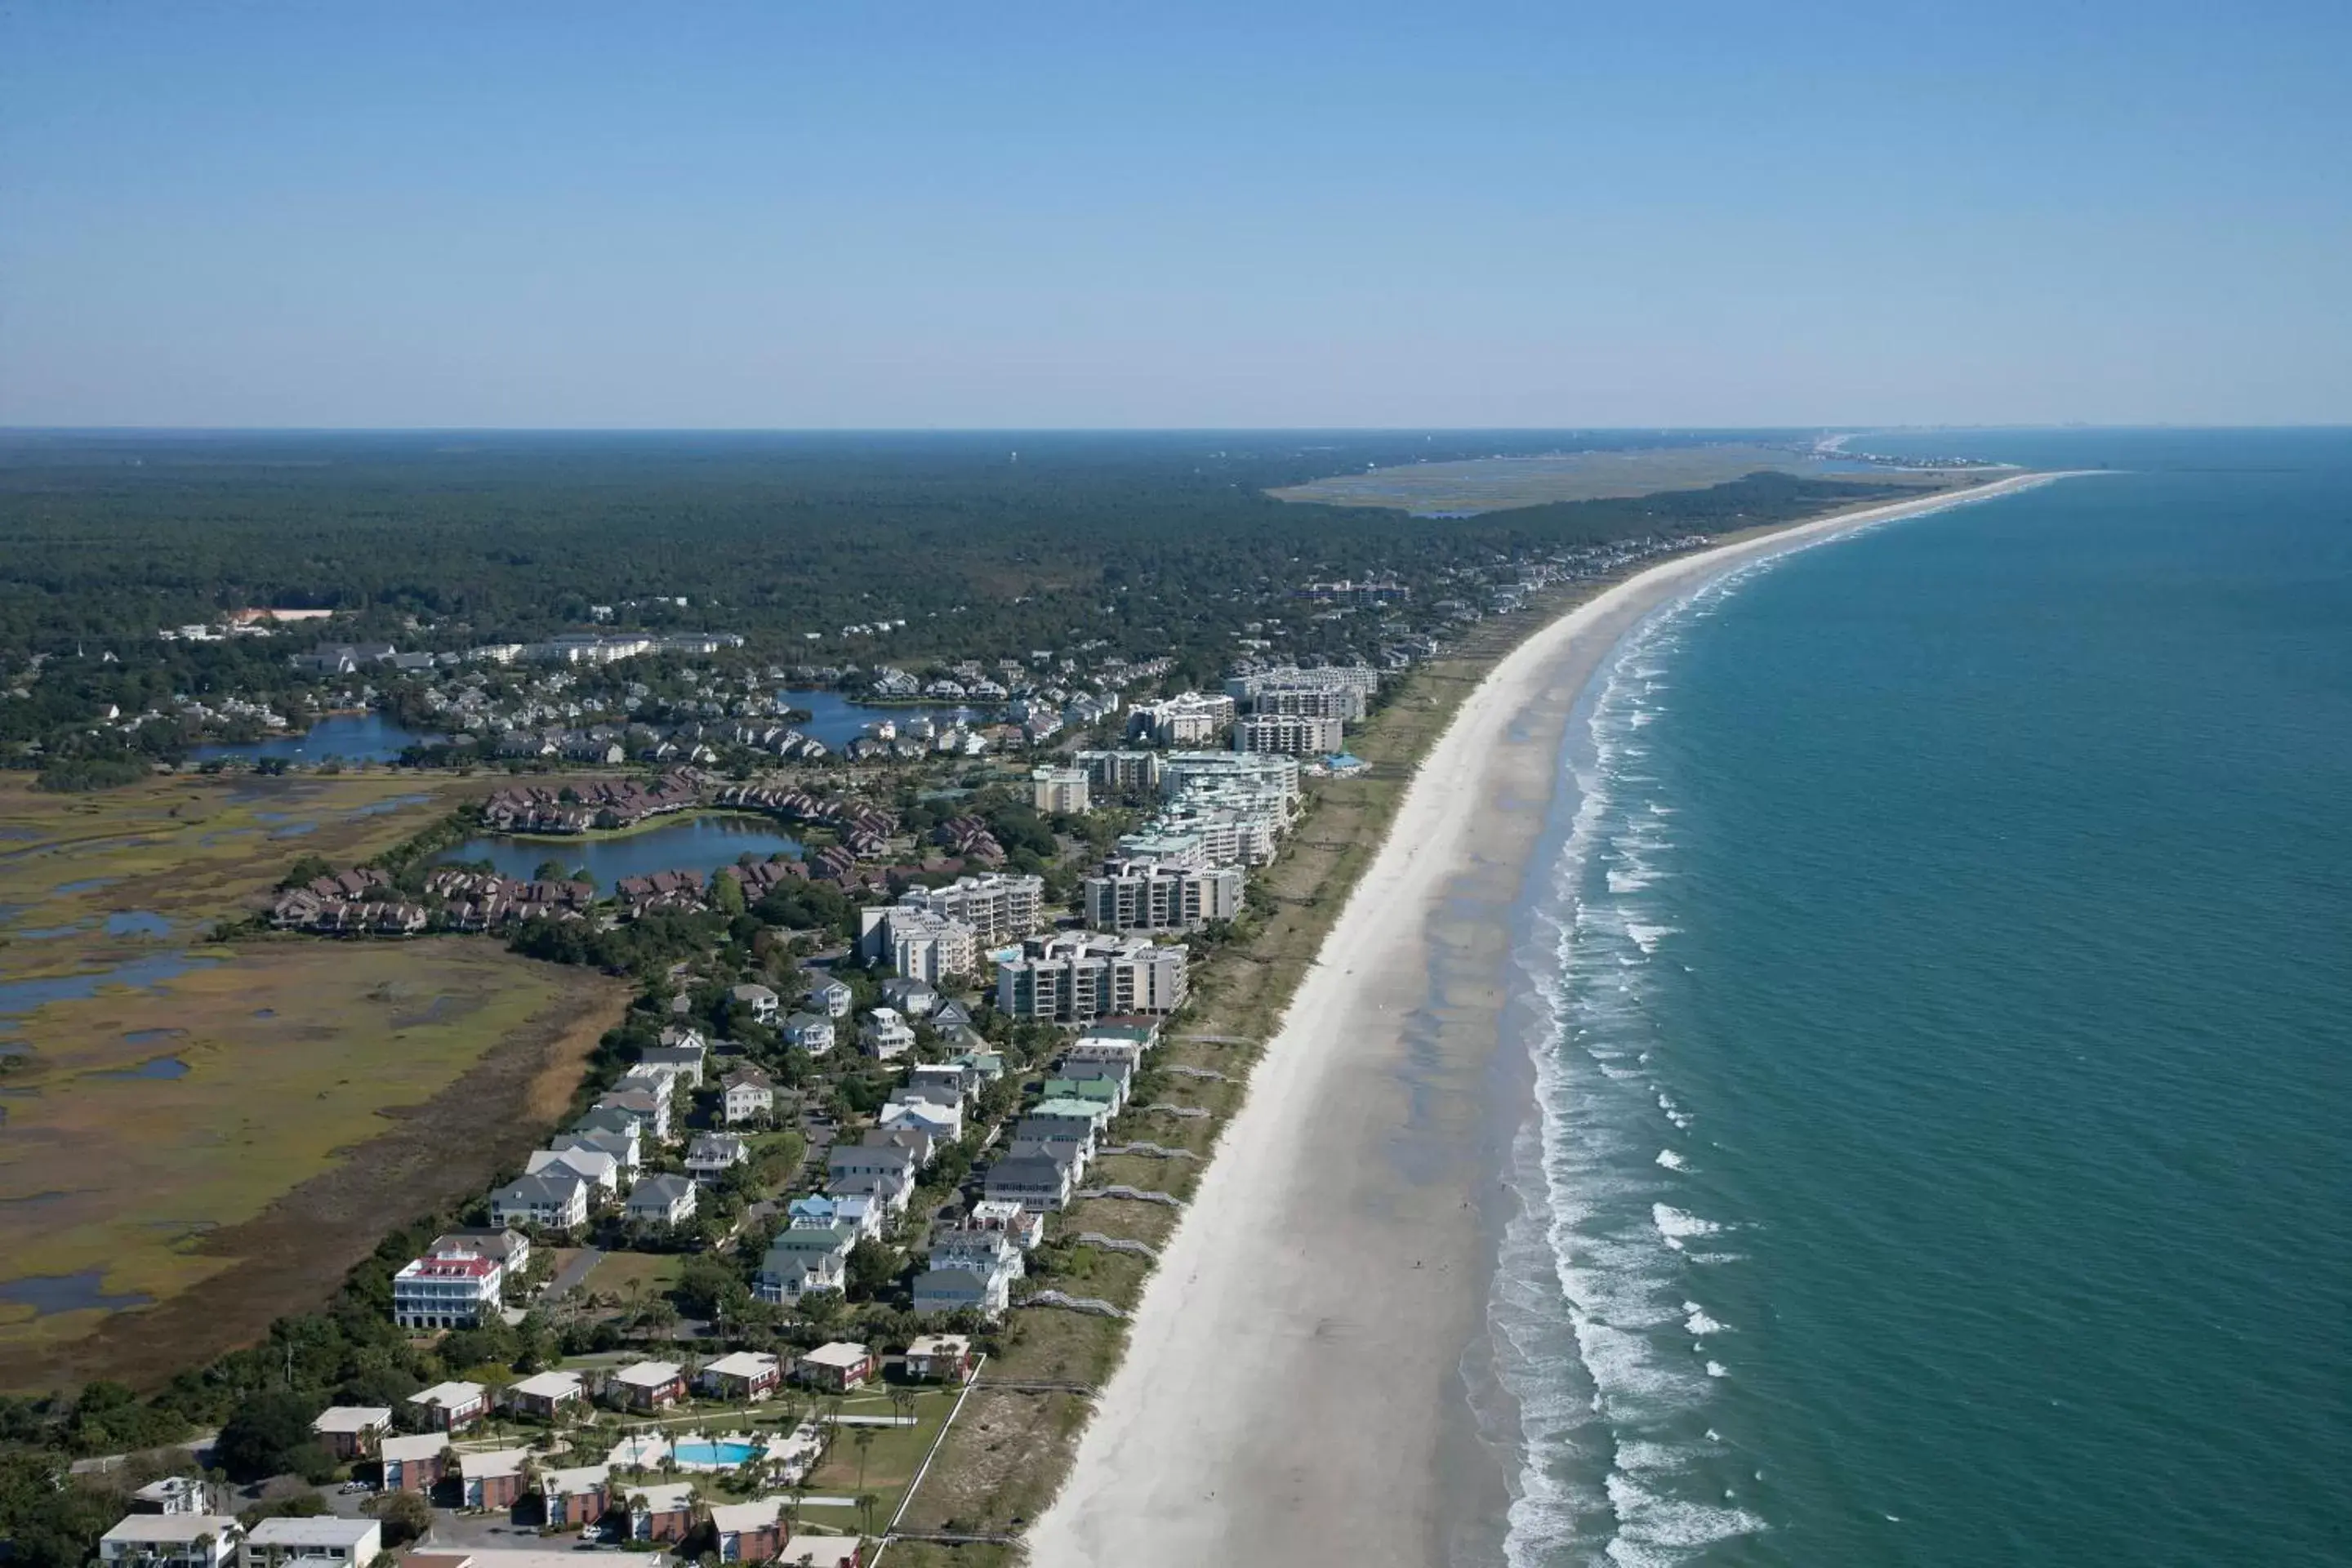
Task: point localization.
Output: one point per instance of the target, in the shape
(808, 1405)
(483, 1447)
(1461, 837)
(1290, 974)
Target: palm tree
(864, 1440)
(867, 1503)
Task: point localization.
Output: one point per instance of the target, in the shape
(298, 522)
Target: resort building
(918, 944)
(1340, 691)
(1058, 790)
(1186, 719)
(1121, 772)
(1076, 977)
(1291, 734)
(1145, 894)
(999, 907)
(1182, 773)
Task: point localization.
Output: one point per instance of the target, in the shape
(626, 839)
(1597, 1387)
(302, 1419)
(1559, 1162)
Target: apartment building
(1186, 719)
(919, 944)
(447, 1289)
(1000, 906)
(1290, 734)
(1121, 772)
(1144, 895)
(1060, 790)
(1076, 977)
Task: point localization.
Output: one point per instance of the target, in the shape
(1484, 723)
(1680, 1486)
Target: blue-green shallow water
(1947, 1146)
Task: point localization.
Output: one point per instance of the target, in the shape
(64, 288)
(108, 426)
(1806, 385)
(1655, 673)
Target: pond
(353, 737)
(21, 997)
(836, 720)
(696, 844)
(137, 922)
(159, 1067)
(51, 1293)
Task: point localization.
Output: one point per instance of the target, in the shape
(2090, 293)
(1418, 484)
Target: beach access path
(1293, 1388)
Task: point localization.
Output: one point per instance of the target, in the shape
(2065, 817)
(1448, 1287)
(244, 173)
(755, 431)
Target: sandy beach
(1294, 1390)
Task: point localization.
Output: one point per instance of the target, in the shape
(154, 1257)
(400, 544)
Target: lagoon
(836, 720)
(696, 844)
(352, 737)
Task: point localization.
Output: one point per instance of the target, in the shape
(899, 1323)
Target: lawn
(633, 1277)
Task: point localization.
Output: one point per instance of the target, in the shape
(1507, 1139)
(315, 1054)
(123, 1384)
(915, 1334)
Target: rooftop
(325, 1529)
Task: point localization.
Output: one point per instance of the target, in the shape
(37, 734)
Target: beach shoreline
(1294, 1385)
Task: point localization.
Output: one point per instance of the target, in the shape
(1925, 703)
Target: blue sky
(863, 212)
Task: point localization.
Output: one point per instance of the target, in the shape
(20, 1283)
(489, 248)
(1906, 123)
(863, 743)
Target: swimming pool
(729, 1453)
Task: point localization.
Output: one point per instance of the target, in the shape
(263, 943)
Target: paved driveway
(569, 1278)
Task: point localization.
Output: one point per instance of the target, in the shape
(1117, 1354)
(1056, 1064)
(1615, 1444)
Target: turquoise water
(1945, 1154)
(720, 1453)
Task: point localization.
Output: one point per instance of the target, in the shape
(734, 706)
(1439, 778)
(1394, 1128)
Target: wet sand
(1294, 1390)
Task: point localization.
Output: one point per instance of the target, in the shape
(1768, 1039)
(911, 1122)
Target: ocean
(1943, 1146)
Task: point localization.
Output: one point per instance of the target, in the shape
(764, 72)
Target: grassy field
(213, 1133)
(1492, 484)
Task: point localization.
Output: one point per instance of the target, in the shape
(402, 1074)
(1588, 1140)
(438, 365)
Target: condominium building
(1076, 977)
(1060, 790)
(1186, 719)
(1158, 896)
(918, 944)
(1290, 734)
(1340, 691)
(1183, 772)
(1121, 772)
(999, 907)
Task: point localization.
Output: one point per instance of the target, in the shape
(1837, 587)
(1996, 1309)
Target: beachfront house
(1039, 1184)
(939, 1358)
(939, 1290)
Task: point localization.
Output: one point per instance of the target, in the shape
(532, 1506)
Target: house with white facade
(600, 1168)
(712, 1154)
(661, 1200)
(815, 1033)
(834, 996)
(555, 1198)
(885, 1035)
(446, 1290)
(748, 1095)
